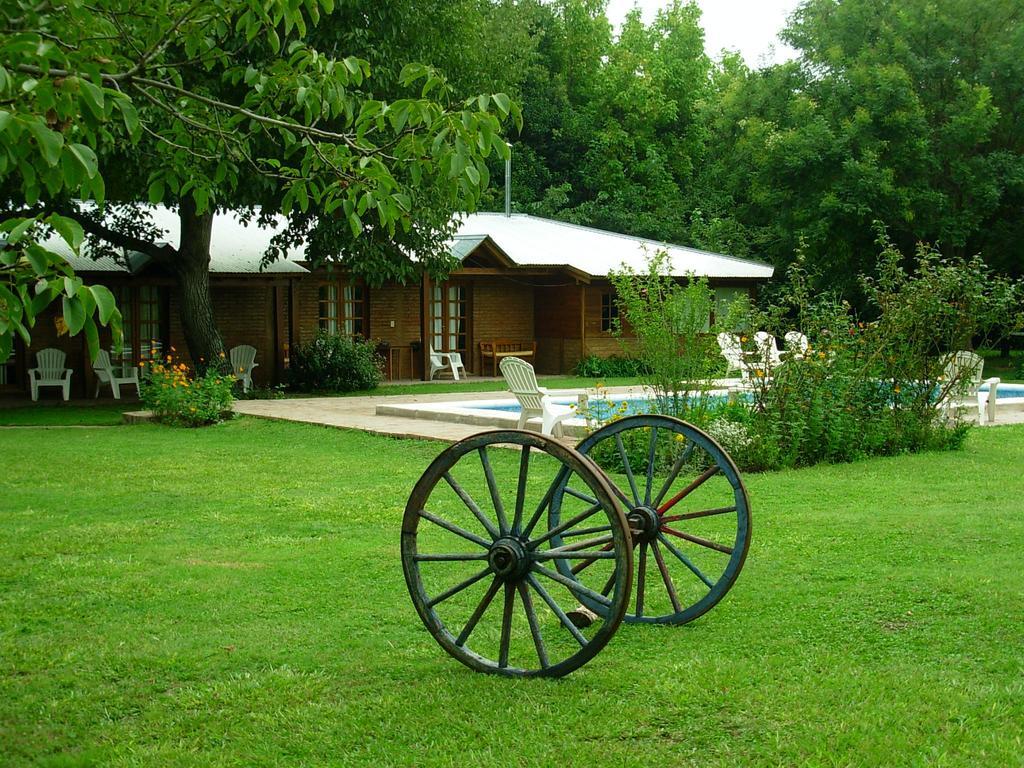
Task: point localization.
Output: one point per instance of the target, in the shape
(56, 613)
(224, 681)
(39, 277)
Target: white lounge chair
(796, 345)
(768, 355)
(243, 359)
(533, 399)
(961, 384)
(50, 372)
(732, 351)
(441, 360)
(104, 371)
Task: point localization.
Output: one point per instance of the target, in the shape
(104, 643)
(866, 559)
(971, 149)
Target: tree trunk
(204, 341)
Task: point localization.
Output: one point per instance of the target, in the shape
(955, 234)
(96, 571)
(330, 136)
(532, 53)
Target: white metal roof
(533, 241)
(235, 247)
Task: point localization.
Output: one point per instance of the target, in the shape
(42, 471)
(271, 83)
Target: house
(522, 278)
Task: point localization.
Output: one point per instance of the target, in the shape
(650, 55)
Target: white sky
(748, 26)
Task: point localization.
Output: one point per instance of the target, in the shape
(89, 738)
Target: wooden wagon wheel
(481, 564)
(688, 512)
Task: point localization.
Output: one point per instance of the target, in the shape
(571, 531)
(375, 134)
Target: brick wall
(502, 309)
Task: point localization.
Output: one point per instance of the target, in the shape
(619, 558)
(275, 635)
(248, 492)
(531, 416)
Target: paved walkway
(360, 412)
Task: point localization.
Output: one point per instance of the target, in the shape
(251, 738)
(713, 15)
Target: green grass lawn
(234, 596)
(65, 414)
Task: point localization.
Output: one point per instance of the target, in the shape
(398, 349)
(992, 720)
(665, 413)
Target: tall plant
(666, 324)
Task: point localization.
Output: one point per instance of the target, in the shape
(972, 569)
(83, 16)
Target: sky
(748, 26)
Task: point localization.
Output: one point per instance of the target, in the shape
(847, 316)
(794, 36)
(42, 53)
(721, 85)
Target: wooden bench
(500, 348)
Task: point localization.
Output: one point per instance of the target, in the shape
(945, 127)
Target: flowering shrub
(176, 395)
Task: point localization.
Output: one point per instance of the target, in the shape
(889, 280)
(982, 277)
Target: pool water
(602, 408)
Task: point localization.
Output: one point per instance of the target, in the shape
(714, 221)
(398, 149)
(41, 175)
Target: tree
(901, 112)
(223, 103)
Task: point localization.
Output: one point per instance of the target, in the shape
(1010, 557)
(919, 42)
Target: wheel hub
(508, 559)
(644, 522)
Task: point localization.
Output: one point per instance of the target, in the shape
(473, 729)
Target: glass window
(150, 337)
(609, 312)
(327, 302)
(355, 310)
(731, 301)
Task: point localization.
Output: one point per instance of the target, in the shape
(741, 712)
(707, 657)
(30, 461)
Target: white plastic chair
(767, 350)
(104, 371)
(962, 380)
(796, 345)
(243, 359)
(732, 351)
(441, 360)
(50, 372)
(533, 399)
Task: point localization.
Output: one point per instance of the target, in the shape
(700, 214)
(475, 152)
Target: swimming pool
(503, 412)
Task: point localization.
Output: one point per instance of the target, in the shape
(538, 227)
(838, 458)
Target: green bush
(594, 367)
(334, 364)
(870, 387)
(176, 395)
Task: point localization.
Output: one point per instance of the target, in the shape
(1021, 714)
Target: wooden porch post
(425, 302)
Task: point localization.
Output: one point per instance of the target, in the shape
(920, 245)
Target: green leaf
(40, 302)
(355, 224)
(473, 175)
(69, 229)
(74, 314)
(5, 119)
(19, 229)
(50, 142)
(104, 302)
(130, 116)
(37, 257)
(156, 191)
(92, 338)
(86, 157)
(502, 102)
(92, 95)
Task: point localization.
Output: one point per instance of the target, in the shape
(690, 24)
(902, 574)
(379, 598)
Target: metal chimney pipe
(508, 183)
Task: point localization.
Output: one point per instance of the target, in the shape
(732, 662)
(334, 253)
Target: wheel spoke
(586, 531)
(588, 512)
(669, 586)
(524, 470)
(580, 495)
(479, 612)
(564, 555)
(457, 530)
(701, 513)
(472, 505)
(573, 586)
(576, 546)
(531, 616)
(641, 572)
(628, 469)
(698, 540)
(450, 557)
(492, 485)
(557, 610)
(686, 561)
(580, 566)
(459, 587)
(704, 477)
(674, 472)
(561, 477)
(506, 625)
(651, 456)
